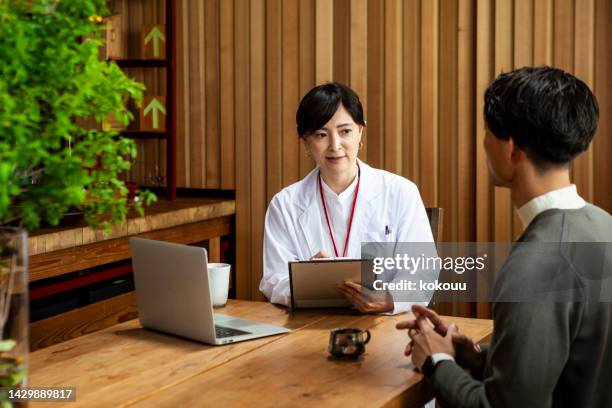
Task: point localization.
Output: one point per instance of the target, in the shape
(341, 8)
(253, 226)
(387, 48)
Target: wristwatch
(428, 367)
(431, 362)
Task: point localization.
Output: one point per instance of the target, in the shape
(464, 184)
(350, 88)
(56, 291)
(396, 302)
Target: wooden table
(125, 365)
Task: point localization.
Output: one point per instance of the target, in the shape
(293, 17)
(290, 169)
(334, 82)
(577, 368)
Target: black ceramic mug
(347, 342)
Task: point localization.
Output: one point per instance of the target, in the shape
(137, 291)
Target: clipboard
(313, 282)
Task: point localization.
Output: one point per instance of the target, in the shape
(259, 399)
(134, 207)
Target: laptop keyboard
(222, 332)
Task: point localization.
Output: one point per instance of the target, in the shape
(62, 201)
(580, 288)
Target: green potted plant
(50, 78)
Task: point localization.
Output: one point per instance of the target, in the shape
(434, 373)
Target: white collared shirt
(339, 211)
(565, 198)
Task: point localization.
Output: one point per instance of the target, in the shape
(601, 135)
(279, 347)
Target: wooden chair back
(435, 215)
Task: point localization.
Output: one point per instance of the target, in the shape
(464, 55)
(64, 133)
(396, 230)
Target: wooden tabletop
(126, 365)
(161, 214)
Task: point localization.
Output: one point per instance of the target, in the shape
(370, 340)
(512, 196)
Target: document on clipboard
(313, 283)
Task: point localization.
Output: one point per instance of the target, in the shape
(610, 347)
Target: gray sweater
(545, 353)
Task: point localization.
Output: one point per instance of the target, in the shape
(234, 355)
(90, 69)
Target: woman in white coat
(339, 204)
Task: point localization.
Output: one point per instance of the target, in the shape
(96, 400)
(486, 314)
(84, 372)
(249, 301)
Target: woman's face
(334, 147)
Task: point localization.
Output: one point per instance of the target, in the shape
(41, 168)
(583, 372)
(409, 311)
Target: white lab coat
(295, 227)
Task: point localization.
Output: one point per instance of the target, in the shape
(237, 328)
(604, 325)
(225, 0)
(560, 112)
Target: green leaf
(51, 83)
(7, 345)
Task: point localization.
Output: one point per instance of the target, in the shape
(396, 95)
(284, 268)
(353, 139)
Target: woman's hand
(366, 300)
(320, 254)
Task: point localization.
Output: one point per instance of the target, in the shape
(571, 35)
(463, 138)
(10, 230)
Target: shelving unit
(170, 65)
(144, 63)
(140, 134)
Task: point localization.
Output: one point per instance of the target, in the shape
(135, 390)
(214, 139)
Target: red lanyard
(348, 232)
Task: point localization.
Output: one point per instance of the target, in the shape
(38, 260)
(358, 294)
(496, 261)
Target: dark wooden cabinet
(169, 64)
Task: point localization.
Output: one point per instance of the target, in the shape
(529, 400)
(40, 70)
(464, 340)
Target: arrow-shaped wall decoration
(152, 36)
(155, 107)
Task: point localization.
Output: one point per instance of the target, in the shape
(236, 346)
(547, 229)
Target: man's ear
(517, 154)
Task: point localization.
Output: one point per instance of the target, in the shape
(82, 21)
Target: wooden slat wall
(420, 68)
(290, 89)
(258, 137)
(244, 281)
(376, 84)
(602, 145)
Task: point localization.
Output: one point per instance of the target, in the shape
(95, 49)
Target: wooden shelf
(161, 214)
(139, 134)
(170, 64)
(143, 63)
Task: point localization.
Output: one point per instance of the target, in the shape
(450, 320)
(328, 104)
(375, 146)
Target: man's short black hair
(547, 112)
(321, 103)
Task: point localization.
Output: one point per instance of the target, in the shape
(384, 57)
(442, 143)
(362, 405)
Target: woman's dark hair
(321, 102)
(550, 114)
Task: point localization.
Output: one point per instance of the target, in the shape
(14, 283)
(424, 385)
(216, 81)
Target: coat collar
(311, 218)
(308, 195)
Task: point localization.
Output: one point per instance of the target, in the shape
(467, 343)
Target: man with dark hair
(547, 350)
(549, 114)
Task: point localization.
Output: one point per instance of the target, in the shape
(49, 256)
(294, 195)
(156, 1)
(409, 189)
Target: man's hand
(426, 342)
(366, 300)
(438, 324)
(467, 354)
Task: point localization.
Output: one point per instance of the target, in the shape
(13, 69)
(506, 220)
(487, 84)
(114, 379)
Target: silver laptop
(173, 295)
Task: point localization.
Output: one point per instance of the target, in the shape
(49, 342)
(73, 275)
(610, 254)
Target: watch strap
(431, 362)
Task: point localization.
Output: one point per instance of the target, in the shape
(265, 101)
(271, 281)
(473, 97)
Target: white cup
(218, 280)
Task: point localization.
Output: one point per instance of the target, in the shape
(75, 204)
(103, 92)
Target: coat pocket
(377, 236)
